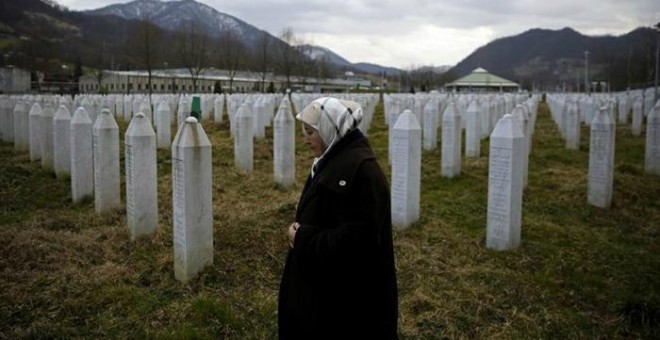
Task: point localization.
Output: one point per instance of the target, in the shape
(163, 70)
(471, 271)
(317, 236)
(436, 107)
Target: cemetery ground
(580, 271)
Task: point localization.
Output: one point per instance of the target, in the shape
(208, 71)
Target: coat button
(342, 183)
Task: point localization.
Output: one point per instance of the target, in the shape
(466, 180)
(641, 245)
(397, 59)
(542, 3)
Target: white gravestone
(591, 109)
(164, 125)
(520, 114)
(270, 108)
(141, 177)
(623, 110)
(406, 170)
(284, 148)
(430, 128)
(128, 108)
(394, 117)
(484, 118)
(145, 108)
(505, 185)
(25, 125)
(4, 102)
(472, 131)
(218, 108)
(192, 200)
(182, 112)
(259, 119)
(451, 142)
(82, 156)
(652, 151)
(119, 107)
(47, 151)
(18, 113)
(62, 142)
(205, 106)
(529, 130)
(572, 126)
(135, 104)
(7, 121)
(601, 159)
(244, 141)
(107, 195)
(86, 103)
(35, 132)
(637, 118)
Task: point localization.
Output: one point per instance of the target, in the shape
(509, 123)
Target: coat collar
(337, 172)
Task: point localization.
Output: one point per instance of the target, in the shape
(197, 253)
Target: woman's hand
(292, 233)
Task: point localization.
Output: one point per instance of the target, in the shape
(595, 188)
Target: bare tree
(324, 69)
(144, 46)
(101, 62)
(305, 64)
(263, 57)
(233, 55)
(192, 49)
(287, 54)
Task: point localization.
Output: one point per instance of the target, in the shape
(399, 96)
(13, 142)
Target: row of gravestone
(510, 144)
(509, 151)
(623, 107)
(245, 135)
(88, 151)
(602, 113)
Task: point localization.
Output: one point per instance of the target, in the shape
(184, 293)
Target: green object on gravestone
(196, 110)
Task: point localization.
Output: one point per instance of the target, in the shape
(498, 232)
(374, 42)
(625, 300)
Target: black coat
(339, 280)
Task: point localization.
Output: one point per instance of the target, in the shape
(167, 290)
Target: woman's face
(313, 140)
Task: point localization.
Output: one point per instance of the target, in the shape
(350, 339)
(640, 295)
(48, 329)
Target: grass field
(580, 272)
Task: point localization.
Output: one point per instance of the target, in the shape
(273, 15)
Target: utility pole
(657, 53)
(586, 72)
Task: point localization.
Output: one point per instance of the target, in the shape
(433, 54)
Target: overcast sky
(405, 33)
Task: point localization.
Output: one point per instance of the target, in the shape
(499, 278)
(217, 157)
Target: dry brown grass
(581, 272)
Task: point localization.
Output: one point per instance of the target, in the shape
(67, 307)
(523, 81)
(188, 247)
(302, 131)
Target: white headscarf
(333, 118)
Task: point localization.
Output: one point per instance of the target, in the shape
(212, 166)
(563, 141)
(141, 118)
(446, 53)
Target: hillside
(544, 58)
(41, 36)
(319, 53)
(178, 15)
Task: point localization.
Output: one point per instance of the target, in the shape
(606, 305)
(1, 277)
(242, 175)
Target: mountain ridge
(175, 15)
(213, 22)
(41, 35)
(542, 57)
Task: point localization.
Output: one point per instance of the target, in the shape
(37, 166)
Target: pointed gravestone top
(451, 108)
(139, 126)
(507, 127)
(474, 106)
(62, 113)
(105, 120)
(285, 102)
(81, 116)
(603, 116)
(163, 106)
(407, 121)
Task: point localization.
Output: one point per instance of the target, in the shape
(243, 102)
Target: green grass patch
(580, 272)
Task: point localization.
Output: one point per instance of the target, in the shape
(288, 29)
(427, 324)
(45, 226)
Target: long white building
(180, 81)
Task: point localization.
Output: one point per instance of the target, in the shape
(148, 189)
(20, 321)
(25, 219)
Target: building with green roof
(480, 80)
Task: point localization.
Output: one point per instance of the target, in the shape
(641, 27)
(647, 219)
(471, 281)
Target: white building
(179, 80)
(168, 81)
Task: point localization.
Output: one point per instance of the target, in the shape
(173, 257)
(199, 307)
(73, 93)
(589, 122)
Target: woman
(339, 280)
